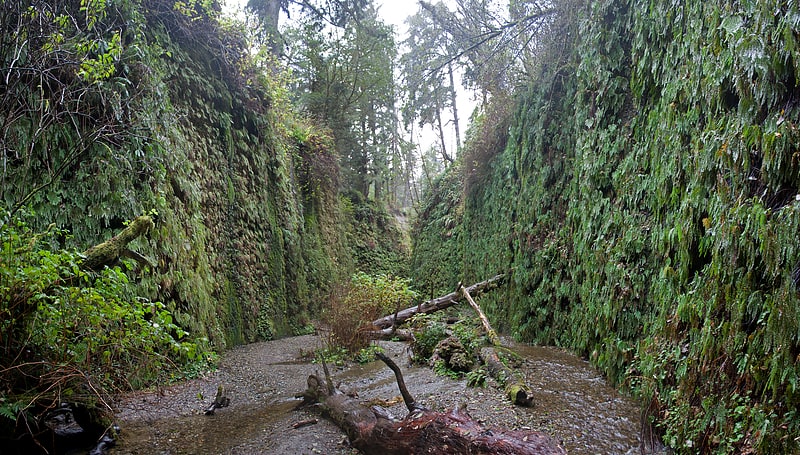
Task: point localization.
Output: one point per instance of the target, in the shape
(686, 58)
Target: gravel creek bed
(573, 403)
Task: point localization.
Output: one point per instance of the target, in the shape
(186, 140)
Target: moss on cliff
(646, 206)
(242, 250)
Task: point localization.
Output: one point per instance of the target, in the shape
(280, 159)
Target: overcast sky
(395, 12)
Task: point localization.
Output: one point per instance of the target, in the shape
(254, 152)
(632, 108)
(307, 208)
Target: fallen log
(439, 303)
(515, 387)
(494, 340)
(374, 431)
(109, 252)
(390, 334)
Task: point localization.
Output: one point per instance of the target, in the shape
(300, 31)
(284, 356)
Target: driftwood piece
(304, 423)
(439, 303)
(515, 387)
(220, 401)
(374, 431)
(109, 252)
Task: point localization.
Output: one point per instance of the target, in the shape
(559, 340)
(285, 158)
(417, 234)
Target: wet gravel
(573, 404)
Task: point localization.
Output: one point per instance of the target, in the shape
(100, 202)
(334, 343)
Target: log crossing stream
(573, 404)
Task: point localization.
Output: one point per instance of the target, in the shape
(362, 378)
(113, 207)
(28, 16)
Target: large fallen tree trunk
(515, 387)
(439, 303)
(374, 431)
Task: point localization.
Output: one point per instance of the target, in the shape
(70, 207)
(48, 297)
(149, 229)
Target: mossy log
(439, 303)
(494, 340)
(515, 387)
(374, 431)
(109, 252)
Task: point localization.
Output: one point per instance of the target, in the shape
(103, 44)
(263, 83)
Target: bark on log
(110, 251)
(389, 334)
(374, 431)
(490, 333)
(516, 389)
(437, 304)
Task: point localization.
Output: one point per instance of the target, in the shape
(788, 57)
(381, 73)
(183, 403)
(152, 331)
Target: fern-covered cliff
(646, 205)
(116, 110)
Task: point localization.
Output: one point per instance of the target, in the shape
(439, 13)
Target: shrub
(366, 298)
(70, 335)
(429, 330)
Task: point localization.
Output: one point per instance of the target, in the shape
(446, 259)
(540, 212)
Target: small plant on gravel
(335, 355)
(367, 354)
(476, 378)
(441, 369)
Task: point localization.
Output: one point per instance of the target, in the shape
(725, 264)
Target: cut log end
(520, 394)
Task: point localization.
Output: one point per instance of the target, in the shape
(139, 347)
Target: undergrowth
(68, 335)
(364, 299)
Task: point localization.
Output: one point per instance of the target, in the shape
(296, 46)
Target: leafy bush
(476, 378)
(70, 335)
(364, 299)
(429, 330)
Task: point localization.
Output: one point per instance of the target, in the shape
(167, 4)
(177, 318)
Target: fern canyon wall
(245, 241)
(642, 197)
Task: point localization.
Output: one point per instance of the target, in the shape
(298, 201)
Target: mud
(573, 404)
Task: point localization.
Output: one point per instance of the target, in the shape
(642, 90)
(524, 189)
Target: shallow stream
(573, 404)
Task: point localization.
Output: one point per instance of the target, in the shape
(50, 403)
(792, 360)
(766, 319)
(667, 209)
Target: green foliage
(367, 354)
(339, 355)
(332, 354)
(163, 109)
(438, 236)
(476, 378)
(429, 330)
(85, 335)
(374, 238)
(646, 206)
(363, 300)
(469, 333)
(441, 369)
(195, 9)
(344, 77)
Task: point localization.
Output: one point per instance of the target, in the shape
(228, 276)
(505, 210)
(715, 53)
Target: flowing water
(573, 404)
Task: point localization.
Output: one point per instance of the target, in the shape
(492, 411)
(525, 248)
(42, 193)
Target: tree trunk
(269, 12)
(453, 105)
(516, 389)
(437, 304)
(375, 431)
(490, 333)
(110, 251)
(445, 156)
